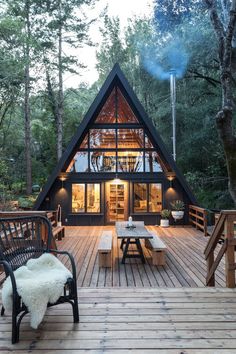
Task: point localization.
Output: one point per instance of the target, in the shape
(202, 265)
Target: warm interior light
(116, 180)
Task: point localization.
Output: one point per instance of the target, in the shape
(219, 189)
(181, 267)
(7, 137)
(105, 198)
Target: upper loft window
(116, 142)
(116, 110)
(130, 138)
(124, 111)
(102, 138)
(108, 111)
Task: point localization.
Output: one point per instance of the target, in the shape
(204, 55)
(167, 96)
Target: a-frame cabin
(116, 165)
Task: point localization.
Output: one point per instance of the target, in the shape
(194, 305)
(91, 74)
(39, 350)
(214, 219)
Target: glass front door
(116, 201)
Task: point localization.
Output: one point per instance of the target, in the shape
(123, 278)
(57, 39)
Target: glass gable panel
(108, 111)
(148, 144)
(124, 111)
(130, 161)
(155, 197)
(140, 197)
(130, 138)
(102, 138)
(79, 162)
(101, 161)
(78, 198)
(93, 198)
(84, 144)
(152, 162)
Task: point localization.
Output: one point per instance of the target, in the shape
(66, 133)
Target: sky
(124, 9)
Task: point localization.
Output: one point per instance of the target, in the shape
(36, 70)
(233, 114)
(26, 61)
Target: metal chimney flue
(173, 109)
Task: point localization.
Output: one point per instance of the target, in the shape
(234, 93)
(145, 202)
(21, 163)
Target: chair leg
(75, 305)
(15, 329)
(2, 311)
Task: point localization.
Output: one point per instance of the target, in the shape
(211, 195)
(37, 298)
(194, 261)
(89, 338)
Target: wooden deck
(135, 308)
(129, 320)
(185, 266)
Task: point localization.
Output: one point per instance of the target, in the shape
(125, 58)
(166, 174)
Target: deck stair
(224, 225)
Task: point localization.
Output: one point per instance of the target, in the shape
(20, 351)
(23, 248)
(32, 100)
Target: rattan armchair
(23, 238)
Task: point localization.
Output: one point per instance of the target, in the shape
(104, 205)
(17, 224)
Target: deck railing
(198, 217)
(224, 231)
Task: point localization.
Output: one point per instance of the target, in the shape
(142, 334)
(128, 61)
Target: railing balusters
(225, 225)
(198, 217)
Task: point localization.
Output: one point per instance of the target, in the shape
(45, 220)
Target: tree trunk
(26, 103)
(60, 92)
(224, 118)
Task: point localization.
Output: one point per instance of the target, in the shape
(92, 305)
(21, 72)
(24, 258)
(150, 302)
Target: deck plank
(185, 263)
(122, 320)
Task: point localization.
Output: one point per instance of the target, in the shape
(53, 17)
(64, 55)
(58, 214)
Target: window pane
(148, 143)
(155, 197)
(102, 138)
(124, 111)
(93, 198)
(107, 114)
(152, 162)
(101, 161)
(130, 138)
(78, 197)
(140, 197)
(84, 143)
(130, 161)
(79, 163)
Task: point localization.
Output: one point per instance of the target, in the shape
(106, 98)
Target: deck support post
(230, 253)
(210, 262)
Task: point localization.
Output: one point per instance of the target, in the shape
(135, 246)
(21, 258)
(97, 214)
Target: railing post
(205, 222)
(210, 262)
(229, 254)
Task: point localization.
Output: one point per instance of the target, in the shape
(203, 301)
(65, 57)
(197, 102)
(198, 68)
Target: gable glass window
(86, 198)
(102, 138)
(116, 142)
(152, 163)
(103, 161)
(79, 162)
(124, 111)
(130, 161)
(130, 138)
(108, 113)
(147, 197)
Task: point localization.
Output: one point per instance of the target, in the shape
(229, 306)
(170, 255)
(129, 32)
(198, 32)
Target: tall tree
(224, 118)
(66, 29)
(27, 97)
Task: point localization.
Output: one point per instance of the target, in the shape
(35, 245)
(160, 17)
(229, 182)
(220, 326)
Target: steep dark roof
(114, 77)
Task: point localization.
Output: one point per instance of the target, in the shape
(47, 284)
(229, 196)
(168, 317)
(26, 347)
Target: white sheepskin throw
(38, 283)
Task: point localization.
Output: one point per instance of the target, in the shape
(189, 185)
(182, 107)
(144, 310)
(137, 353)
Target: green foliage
(199, 152)
(26, 202)
(165, 214)
(177, 205)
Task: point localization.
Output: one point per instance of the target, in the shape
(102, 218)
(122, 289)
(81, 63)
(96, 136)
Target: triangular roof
(115, 77)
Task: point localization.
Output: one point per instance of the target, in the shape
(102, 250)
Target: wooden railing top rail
(197, 208)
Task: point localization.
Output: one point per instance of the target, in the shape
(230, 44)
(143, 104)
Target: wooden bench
(104, 250)
(158, 249)
(57, 231)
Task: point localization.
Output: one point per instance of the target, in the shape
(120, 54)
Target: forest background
(38, 115)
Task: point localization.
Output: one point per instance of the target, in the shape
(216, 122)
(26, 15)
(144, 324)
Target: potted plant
(165, 214)
(178, 209)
